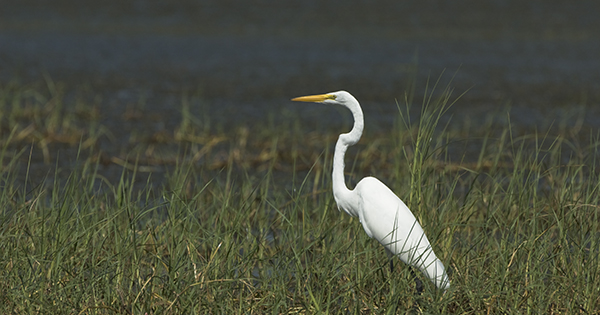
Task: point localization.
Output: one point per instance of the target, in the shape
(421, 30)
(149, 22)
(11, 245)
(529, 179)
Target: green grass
(244, 222)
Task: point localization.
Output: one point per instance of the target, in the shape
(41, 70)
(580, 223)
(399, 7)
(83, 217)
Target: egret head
(339, 97)
(345, 99)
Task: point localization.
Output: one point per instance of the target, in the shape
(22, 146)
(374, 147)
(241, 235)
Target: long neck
(344, 141)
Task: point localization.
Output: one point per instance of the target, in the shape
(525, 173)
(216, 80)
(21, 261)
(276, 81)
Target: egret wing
(387, 219)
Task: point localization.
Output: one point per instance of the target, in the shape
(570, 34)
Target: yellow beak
(314, 98)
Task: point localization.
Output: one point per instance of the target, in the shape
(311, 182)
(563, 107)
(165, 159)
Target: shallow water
(246, 60)
(263, 53)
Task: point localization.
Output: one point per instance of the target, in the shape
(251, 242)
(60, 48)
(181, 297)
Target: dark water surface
(247, 59)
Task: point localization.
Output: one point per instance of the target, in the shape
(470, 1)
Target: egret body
(382, 214)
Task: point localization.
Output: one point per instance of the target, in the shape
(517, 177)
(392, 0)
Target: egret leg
(391, 258)
(418, 283)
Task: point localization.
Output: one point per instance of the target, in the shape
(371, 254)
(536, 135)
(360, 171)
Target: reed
(246, 223)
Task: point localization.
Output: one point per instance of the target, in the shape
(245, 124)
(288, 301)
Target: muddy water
(245, 60)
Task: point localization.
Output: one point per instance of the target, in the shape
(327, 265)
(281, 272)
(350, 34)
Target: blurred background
(241, 61)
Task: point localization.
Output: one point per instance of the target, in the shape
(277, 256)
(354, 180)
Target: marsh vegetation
(196, 219)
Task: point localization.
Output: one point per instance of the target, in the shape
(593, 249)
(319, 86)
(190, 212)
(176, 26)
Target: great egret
(382, 214)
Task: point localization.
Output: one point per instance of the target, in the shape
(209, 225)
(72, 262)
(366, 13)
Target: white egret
(382, 214)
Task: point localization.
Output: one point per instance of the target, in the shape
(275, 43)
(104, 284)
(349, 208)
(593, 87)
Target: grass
(244, 221)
